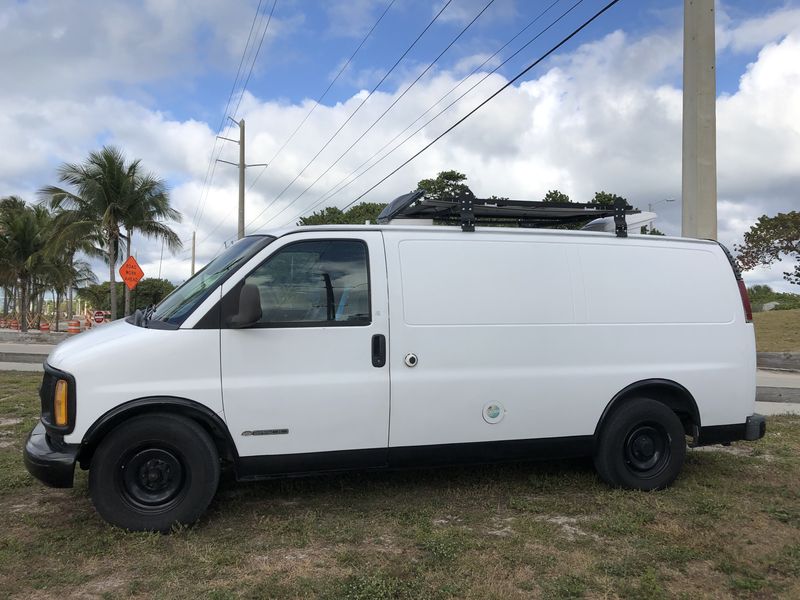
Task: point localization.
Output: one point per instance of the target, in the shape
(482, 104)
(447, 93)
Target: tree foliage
(357, 215)
(763, 294)
(150, 290)
(770, 240)
(553, 196)
(607, 199)
(105, 194)
(447, 185)
(34, 258)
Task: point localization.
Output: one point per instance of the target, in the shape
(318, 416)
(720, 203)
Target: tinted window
(315, 282)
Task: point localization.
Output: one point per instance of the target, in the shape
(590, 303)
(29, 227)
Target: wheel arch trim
(200, 413)
(673, 387)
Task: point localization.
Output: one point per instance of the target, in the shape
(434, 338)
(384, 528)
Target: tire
(153, 472)
(642, 446)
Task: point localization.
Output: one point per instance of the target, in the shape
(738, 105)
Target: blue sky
(153, 77)
(317, 37)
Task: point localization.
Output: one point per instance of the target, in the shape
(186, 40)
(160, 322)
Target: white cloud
(463, 11)
(76, 48)
(751, 34)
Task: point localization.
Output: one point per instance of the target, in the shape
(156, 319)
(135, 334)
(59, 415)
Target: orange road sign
(131, 272)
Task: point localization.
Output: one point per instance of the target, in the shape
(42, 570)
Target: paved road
(782, 379)
(43, 349)
(778, 408)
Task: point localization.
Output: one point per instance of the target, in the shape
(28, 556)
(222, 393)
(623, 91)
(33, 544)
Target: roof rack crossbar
(468, 211)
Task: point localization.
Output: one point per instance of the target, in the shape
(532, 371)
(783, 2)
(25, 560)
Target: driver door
(306, 388)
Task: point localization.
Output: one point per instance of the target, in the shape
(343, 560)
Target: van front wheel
(153, 472)
(642, 446)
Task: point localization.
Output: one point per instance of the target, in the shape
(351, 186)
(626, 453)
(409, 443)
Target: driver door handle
(378, 350)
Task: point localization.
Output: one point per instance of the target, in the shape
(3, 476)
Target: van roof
(449, 229)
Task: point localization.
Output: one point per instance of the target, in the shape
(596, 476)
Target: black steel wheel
(642, 446)
(153, 472)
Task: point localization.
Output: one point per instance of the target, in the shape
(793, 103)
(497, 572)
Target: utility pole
(242, 166)
(194, 240)
(699, 186)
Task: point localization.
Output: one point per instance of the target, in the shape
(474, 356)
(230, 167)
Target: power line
(490, 98)
(236, 110)
(211, 160)
(328, 195)
(383, 114)
(314, 107)
(394, 66)
(325, 93)
(255, 58)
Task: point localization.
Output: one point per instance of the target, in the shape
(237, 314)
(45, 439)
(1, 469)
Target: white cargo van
(350, 347)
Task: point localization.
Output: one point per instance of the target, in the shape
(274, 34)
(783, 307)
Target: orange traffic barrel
(73, 327)
(14, 324)
(44, 327)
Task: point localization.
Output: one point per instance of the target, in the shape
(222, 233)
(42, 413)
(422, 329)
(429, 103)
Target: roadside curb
(22, 357)
(786, 361)
(778, 394)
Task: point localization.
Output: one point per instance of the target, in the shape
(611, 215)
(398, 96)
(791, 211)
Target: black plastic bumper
(753, 428)
(53, 466)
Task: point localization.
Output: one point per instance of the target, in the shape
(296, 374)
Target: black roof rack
(470, 211)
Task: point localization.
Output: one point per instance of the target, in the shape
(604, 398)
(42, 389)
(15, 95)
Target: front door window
(319, 282)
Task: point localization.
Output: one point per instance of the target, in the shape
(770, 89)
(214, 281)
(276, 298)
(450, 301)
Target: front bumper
(53, 465)
(754, 428)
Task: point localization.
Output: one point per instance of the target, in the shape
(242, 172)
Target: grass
(729, 527)
(778, 330)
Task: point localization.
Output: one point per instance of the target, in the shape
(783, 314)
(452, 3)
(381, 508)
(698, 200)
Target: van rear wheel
(642, 446)
(153, 472)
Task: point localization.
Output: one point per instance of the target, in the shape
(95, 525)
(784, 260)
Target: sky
(157, 78)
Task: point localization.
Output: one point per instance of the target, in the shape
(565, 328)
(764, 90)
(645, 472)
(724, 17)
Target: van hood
(101, 344)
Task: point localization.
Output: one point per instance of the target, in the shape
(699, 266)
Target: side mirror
(249, 308)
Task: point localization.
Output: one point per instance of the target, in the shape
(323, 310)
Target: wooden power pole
(699, 185)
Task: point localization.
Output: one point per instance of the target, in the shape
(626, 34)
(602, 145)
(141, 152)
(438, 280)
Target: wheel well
(202, 415)
(671, 394)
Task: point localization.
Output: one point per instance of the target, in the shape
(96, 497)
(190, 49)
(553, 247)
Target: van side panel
(551, 328)
(491, 319)
(676, 314)
(478, 276)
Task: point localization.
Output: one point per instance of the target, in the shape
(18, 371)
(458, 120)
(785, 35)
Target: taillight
(748, 312)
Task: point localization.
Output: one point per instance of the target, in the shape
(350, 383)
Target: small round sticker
(493, 412)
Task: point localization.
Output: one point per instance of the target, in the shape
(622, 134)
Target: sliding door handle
(378, 350)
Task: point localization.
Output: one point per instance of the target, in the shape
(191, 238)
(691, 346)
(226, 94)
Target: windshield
(185, 298)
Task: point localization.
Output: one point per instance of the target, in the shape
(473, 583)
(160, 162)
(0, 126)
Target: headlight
(60, 415)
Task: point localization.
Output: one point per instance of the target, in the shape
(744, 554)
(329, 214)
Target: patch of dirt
(5, 444)
(568, 526)
(300, 562)
(101, 588)
(502, 527)
(735, 450)
(447, 520)
(35, 501)
(9, 422)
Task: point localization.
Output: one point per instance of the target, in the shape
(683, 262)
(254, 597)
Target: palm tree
(24, 233)
(148, 210)
(67, 243)
(107, 197)
(8, 277)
